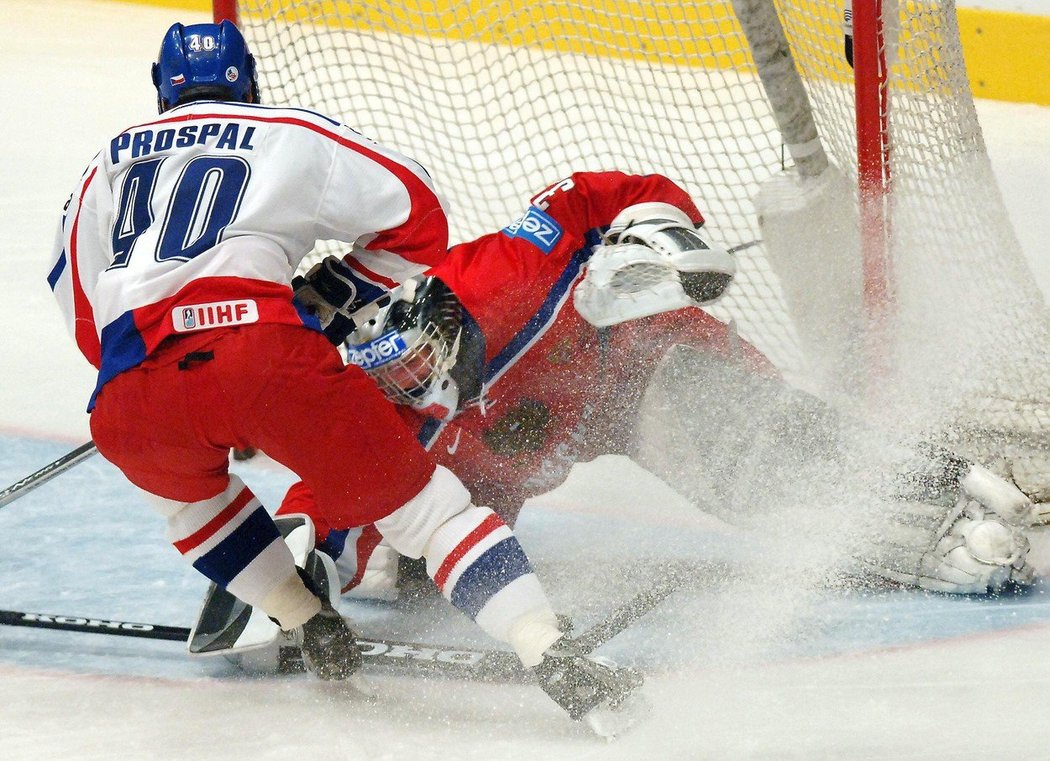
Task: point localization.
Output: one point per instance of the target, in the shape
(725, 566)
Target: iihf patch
(217, 314)
(232, 74)
(537, 227)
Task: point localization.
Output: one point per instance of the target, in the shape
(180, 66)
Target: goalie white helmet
(419, 351)
(653, 260)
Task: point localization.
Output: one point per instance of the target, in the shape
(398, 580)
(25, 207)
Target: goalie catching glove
(653, 260)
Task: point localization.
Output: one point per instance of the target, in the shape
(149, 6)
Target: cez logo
(378, 352)
(537, 227)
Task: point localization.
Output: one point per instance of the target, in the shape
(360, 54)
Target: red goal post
(224, 10)
(858, 197)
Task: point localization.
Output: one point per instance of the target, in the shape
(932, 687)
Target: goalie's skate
(592, 689)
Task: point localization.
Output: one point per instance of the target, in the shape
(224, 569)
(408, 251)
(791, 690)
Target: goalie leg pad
(999, 495)
(973, 551)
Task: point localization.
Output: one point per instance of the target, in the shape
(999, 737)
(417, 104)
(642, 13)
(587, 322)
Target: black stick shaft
(468, 663)
(93, 625)
(624, 615)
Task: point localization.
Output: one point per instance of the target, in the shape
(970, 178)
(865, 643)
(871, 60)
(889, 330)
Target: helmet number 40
(201, 42)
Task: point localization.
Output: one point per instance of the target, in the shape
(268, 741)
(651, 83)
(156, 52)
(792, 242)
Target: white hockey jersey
(199, 218)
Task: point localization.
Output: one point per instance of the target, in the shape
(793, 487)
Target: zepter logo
(375, 353)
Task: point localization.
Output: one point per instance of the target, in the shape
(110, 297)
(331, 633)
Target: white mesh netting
(498, 98)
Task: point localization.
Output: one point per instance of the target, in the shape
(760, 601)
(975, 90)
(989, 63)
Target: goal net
(749, 104)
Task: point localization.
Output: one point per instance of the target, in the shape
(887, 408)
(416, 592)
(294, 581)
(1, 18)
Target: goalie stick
(46, 473)
(476, 664)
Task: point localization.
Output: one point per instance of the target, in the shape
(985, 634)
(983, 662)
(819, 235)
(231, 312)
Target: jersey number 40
(206, 199)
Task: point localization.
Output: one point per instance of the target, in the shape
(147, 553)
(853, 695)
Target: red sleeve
(593, 199)
(507, 278)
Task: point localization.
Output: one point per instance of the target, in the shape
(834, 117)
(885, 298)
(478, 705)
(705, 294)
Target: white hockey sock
(477, 563)
(233, 541)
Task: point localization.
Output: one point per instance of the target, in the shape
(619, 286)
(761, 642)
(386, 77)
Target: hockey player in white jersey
(172, 267)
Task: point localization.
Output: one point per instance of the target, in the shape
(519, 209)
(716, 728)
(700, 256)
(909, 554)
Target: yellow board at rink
(1007, 54)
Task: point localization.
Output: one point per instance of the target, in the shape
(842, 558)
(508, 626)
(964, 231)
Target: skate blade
(610, 722)
(356, 687)
(362, 687)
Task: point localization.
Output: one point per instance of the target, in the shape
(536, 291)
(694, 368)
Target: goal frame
(873, 154)
(873, 168)
(224, 10)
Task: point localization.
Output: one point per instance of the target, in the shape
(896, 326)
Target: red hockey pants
(170, 422)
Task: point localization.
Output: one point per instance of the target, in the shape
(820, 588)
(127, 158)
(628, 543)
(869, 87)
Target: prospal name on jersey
(192, 317)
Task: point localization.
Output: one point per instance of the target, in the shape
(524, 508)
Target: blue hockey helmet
(204, 62)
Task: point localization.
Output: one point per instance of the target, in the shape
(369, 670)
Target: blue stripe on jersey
(56, 271)
(334, 544)
(232, 555)
(122, 349)
(548, 311)
(495, 569)
(428, 432)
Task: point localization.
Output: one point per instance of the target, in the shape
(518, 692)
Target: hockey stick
(744, 246)
(464, 663)
(391, 655)
(620, 618)
(46, 473)
(93, 625)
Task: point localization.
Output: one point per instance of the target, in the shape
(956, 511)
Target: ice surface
(737, 670)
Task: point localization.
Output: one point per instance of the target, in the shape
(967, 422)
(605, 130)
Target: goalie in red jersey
(535, 347)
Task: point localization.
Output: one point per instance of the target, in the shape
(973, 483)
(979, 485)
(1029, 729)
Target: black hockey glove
(339, 299)
(329, 645)
(327, 288)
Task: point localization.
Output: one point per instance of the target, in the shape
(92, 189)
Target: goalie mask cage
(860, 210)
